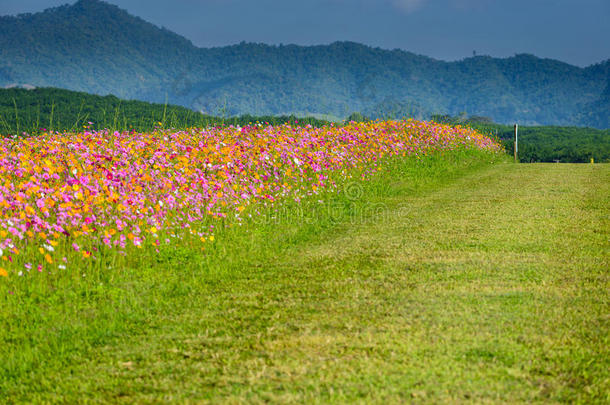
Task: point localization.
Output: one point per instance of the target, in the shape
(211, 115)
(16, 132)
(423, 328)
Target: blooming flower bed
(83, 192)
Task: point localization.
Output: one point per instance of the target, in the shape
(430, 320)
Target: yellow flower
(48, 258)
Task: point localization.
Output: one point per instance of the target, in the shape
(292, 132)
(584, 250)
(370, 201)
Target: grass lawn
(452, 279)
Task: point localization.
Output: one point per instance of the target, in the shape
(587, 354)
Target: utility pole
(516, 141)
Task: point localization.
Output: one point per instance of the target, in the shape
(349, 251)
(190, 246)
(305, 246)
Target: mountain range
(97, 47)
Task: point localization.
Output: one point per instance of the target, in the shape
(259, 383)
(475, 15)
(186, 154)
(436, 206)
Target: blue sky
(574, 31)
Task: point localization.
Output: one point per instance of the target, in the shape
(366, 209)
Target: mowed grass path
(488, 287)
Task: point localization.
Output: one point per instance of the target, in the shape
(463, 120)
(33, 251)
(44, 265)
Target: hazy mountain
(96, 47)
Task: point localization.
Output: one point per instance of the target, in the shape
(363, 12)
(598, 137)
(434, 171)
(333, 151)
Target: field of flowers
(66, 198)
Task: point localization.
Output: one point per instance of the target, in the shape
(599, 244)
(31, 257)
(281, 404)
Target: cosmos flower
(100, 189)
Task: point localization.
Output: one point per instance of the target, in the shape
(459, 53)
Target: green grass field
(450, 279)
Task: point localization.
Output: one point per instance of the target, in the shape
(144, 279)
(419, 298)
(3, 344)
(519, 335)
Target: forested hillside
(44, 109)
(96, 47)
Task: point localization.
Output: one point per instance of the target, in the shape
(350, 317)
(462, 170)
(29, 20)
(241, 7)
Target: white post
(516, 141)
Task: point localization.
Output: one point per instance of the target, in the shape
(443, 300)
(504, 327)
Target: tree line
(49, 109)
(542, 143)
(31, 112)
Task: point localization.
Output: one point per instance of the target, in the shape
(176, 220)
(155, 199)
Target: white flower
(20, 274)
(61, 267)
(1, 252)
(49, 248)
(297, 162)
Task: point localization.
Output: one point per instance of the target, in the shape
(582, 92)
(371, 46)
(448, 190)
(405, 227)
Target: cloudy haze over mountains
(572, 31)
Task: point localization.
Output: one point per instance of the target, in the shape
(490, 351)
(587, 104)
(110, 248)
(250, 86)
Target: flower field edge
(71, 200)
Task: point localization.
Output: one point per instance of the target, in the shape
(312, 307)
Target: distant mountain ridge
(96, 47)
